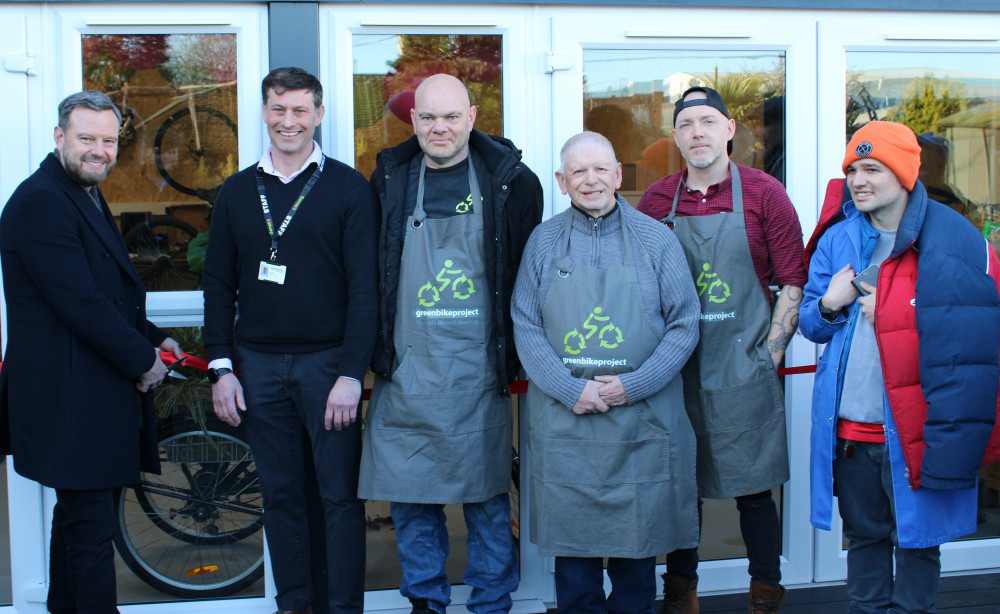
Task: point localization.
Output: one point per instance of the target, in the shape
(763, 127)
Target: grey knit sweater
(668, 297)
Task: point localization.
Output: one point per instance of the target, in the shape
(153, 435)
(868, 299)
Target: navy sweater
(329, 295)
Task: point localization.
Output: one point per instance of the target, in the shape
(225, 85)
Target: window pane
(629, 96)
(196, 530)
(388, 68)
(952, 102)
(177, 144)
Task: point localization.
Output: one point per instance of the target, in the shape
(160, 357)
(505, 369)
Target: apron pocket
(741, 407)
(602, 463)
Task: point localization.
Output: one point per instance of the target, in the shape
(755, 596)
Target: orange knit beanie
(890, 143)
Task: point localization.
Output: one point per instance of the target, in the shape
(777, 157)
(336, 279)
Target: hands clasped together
(601, 394)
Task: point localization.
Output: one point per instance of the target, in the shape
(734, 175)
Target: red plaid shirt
(773, 229)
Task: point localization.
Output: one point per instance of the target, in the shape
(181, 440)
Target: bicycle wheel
(196, 529)
(188, 168)
(158, 249)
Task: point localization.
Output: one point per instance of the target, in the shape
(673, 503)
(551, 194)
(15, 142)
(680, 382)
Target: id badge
(271, 272)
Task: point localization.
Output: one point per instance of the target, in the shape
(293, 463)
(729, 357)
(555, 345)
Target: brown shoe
(680, 595)
(305, 610)
(765, 598)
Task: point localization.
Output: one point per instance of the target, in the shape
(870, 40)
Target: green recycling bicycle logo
(718, 290)
(609, 335)
(464, 206)
(461, 286)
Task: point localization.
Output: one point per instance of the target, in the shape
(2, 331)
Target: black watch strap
(827, 314)
(214, 375)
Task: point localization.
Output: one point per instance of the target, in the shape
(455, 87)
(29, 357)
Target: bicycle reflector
(201, 571)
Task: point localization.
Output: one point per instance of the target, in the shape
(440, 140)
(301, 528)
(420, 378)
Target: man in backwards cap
(740, 234)
(906, 392)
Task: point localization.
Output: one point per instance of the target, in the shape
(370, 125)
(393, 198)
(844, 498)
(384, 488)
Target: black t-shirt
(446, 190)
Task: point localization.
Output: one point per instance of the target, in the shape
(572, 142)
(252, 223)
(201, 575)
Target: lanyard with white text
(291, 213)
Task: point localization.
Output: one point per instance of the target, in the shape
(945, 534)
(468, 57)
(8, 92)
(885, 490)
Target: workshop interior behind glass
(177, 144)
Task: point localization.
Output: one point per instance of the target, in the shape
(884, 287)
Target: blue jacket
(941, 390)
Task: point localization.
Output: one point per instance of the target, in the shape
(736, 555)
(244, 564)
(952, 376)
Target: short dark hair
(88, 99)
(289, 78)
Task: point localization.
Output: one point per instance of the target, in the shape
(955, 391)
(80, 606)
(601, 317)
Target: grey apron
(601, 484)
(439, 431)
(731, 387)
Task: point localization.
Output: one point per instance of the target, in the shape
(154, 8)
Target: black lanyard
(291, 213)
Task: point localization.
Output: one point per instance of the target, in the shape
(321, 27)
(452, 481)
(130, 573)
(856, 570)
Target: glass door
(619, 72)
(939, 75)
(372, 60)
(173, 71)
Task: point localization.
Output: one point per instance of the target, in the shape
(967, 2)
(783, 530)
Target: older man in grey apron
(605, 317)
(740, 233)
(439, 425)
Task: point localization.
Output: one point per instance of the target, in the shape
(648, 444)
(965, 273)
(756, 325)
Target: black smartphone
(869, 275)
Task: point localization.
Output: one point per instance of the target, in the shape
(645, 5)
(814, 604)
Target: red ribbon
(518, 387)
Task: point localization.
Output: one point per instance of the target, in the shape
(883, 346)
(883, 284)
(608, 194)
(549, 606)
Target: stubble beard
(704, 163)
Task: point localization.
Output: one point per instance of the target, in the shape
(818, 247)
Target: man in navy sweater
(293, 239)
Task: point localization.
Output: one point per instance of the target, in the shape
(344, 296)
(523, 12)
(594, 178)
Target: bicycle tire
(158, 249)
(212, 544)
(210, 148)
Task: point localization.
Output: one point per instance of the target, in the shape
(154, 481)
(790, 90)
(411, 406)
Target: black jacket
(78, 340)
(513, 197)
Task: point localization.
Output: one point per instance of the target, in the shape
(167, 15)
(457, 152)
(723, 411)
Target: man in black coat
(81, 356)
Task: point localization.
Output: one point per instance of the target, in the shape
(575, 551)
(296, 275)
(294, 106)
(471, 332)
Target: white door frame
(338, 24)
(53, 42)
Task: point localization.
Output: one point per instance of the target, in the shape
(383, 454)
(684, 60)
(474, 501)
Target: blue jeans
(422, 543)
(761, 531)
(580, 585)
(286, 403)
(867, 505)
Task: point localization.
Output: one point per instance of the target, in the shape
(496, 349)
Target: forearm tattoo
(785, 319)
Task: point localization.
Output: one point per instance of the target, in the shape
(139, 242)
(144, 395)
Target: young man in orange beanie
(905, 397)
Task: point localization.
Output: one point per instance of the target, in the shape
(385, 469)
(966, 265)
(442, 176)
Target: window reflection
(629, 97)
(388, 68)
(177, 144)
(952, 102)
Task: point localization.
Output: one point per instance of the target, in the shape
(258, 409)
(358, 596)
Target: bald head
(442, 85)
(592, 139)
(442, 120)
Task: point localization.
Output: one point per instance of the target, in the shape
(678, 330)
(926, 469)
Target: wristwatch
(214, 375)
(827, 314)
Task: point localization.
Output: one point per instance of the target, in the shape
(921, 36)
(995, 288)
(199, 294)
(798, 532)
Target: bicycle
(158, 248)
(195, 530)
(187, 141)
